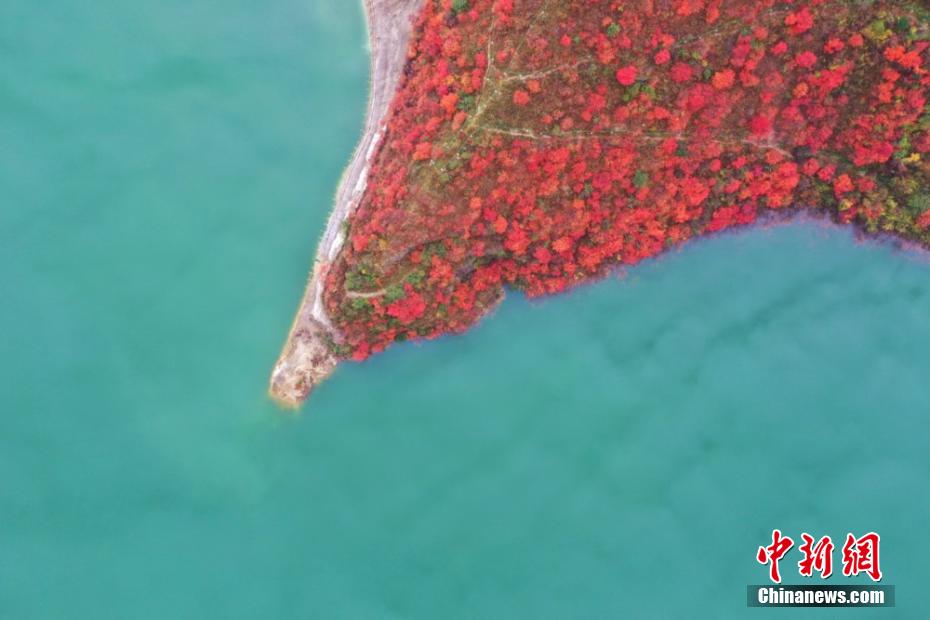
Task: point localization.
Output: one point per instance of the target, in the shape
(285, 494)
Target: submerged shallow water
(167, 168)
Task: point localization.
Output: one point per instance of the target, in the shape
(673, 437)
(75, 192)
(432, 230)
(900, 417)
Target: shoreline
(306, 358)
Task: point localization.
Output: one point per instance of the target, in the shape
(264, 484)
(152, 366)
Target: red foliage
(538, 148)
(800, 21)
(626, 75)
(409, 308)
(724, 79)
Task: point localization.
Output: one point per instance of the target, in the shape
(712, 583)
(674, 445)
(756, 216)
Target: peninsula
(537, 144)
(308, 356)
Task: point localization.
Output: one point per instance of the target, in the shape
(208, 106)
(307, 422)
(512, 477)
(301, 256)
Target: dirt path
(306, 359)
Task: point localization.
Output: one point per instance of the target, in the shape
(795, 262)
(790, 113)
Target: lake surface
(166, 168)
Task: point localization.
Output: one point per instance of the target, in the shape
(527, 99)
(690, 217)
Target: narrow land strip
(307, 358)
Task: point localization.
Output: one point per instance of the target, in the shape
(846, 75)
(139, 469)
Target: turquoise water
(166, 169)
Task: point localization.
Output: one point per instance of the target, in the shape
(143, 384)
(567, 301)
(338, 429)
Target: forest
(539, 144)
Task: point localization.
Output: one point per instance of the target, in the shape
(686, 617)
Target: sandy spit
(306, 358)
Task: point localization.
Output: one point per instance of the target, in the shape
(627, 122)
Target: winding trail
(307, 358)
